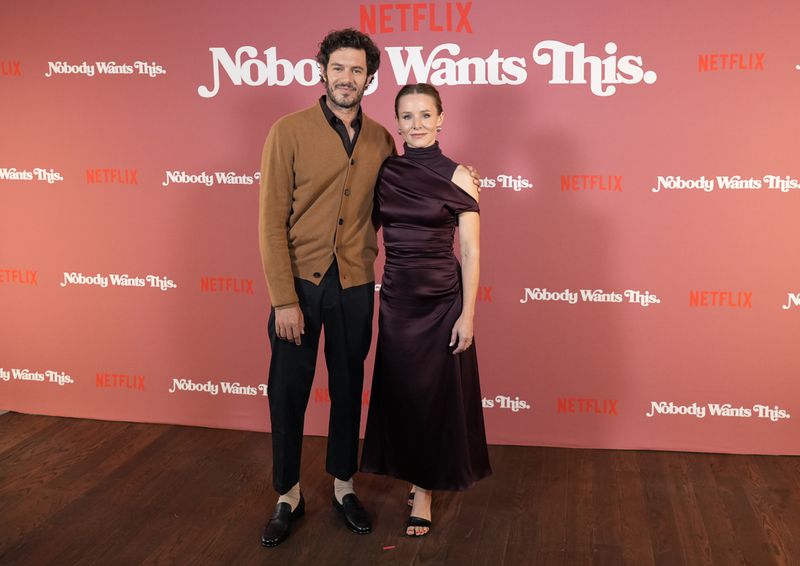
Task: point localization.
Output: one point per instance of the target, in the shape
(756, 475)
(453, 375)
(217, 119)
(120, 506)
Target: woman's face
(417, 119)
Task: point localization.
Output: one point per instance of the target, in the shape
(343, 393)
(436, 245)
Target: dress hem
(437, 487)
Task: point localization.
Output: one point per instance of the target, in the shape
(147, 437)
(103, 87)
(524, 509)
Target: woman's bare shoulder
(463, 178)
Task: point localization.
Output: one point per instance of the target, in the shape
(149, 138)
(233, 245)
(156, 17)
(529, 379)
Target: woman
(425, 422)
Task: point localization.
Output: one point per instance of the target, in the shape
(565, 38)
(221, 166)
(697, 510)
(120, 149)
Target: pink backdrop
(606, 134)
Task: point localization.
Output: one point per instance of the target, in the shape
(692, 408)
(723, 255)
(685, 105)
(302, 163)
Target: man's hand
(475, 177)
(289, 324)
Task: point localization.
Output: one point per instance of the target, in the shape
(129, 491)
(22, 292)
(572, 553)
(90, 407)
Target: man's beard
(349, 100)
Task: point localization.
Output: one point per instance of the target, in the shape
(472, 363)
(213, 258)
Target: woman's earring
(438, 128)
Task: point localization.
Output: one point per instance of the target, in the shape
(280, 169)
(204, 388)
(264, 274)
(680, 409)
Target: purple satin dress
(425, 422)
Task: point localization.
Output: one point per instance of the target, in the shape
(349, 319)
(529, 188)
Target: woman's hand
(461, 333)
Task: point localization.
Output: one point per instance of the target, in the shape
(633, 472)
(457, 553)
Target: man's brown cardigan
(316, 202)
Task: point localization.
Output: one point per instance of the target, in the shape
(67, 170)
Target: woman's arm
(467, 178)
(469, 242)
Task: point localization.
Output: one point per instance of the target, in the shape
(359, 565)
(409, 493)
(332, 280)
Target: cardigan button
(347, 192)
(317, 275)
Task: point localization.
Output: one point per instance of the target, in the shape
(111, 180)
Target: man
(318, 246)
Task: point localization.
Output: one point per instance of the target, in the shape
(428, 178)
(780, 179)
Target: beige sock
(292, 497)
(342, 488)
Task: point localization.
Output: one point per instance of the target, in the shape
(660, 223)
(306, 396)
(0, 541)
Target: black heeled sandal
(414, 522)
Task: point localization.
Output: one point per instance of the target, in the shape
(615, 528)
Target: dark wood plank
(660, 513)
(637, 545)
(578, 506)
(721, 545)
(751, 504)
(549, 521)
(606, 517)
(89, 492)
(781, 484)
(122, 502)
(529, 488)
(694, 540)
(59, 467)
(16, 428)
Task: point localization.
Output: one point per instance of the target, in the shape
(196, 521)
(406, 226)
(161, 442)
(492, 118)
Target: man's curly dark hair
(349, 38)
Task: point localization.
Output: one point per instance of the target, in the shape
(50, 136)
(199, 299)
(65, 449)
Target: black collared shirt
(339, 126)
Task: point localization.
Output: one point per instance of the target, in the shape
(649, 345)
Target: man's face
(346, 77)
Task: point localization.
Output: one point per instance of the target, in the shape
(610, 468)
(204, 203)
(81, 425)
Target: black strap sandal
(417, 522)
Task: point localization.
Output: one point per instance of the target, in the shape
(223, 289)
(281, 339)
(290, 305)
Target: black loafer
(355, 517)
(280, 524)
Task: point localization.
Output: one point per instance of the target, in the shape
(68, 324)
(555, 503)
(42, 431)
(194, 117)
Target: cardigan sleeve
(275, 204)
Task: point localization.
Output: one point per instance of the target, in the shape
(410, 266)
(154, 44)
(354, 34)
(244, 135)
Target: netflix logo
(580, 405)
(111, 177)
(19, 277)
(415, 16)
(731, 299)
(730, 62)
(119, 381)
(322, 396)
(10, 69)
(226, 285)
(592, 183)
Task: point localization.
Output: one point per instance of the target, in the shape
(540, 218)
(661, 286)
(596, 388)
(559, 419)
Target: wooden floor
(90, 492)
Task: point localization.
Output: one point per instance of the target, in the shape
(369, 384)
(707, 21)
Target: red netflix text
(10, 69)
(226, 285)
(593, 406)
(732, 299)
(19, 276)
(119, 381)
(607, 183)
(111, 177)
(730, 62)
(322, 396)
(415, 16)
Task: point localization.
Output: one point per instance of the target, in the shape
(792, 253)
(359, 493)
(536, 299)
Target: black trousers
(346, 316)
